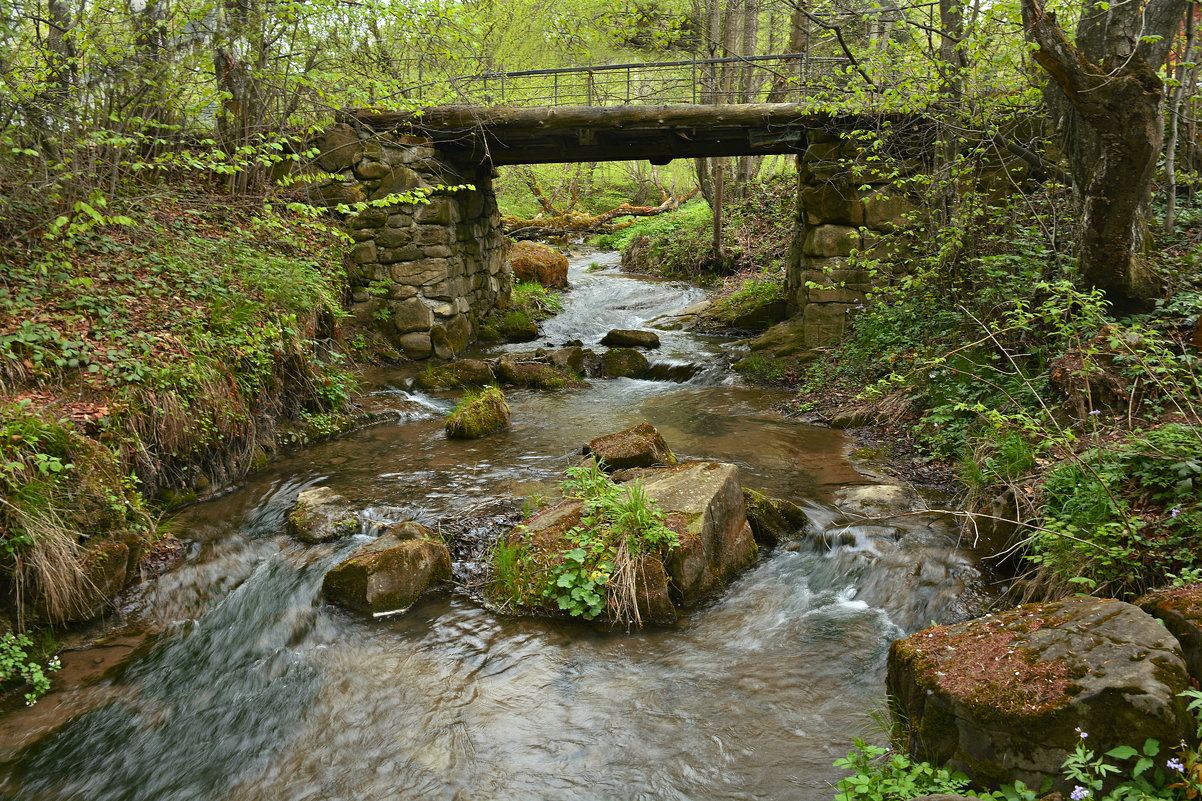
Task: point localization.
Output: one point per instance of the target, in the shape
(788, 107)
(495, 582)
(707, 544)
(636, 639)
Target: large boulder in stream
(478, 415)
(321, 515)
(1006, 696)
(532, 261)
(638, 446)
(387, 575)
(461, 373)
(630, 338)
(531, 373)
(624, 363)
(701, 501)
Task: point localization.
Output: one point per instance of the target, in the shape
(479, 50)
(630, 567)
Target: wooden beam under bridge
(510, 135)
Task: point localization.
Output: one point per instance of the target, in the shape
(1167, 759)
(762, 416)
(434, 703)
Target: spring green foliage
(1124, 517)
(619, 522)
(880, 776)
(619, 525)
(1148, 772)
(478, 413)
(529, 303)
(753, 292)
(20, 664)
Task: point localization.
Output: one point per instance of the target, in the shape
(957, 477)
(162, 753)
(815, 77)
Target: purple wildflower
(1079, 793)
(1175, 764)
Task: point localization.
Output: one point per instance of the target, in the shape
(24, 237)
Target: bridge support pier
(846, 239)
(422, 276)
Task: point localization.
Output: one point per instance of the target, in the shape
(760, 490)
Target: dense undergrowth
(146, 356)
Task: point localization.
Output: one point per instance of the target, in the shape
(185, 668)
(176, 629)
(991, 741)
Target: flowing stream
(234, 681)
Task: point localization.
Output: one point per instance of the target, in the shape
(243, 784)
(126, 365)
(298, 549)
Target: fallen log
(587, 224)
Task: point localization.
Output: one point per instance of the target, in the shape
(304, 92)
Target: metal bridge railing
(789, 77)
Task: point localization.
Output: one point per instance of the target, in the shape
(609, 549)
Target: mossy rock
(388, 575)
(533, 374)
(630, 338)
(514, 325)
(478, 415)
(462, 373)
(1004, 697)
(773, 519)
(532, 261)
(321, 515)
(1180, 610)
(623, 363)
(638, 446)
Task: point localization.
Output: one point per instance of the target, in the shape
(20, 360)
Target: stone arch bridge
(425, 275)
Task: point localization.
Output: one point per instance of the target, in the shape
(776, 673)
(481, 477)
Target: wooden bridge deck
(506, 135)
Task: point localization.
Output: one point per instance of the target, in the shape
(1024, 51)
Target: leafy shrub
(1123, 517)
(19, 665)
(593, 569)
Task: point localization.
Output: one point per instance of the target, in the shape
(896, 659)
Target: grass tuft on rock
(478, 414)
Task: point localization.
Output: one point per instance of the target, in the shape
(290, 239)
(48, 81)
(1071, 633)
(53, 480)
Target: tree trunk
(1108, 103)
(1170, 151)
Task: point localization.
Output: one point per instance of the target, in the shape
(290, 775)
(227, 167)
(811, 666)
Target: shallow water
(249, 687)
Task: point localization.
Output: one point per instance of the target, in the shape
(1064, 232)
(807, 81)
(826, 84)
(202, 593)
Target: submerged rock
(630, 338)
(624, 363)
(637, 446)
(1005, 697)
(532, 261)
(478, 415)
(390, 573)
(773, 519)
(321, 515)
(876, 500)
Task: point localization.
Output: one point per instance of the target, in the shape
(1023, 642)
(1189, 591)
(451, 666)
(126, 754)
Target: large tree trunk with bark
(1108, 103)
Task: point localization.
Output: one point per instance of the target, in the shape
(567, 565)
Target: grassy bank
(1074, 431)
(147, 357)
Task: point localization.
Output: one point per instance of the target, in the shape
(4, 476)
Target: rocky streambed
(233, 676)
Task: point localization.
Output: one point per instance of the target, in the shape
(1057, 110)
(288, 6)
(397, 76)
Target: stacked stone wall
(841, 212)
(422, 275)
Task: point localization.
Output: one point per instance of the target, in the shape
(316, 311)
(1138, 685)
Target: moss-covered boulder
(462, 373)
(478, 414)
(1006, 696)
(1180, 610)
(630, 338)
(386, 576)
(544, 264)
(638, 446)
(623, 363)
(702, 502)
(321, 515)
(530, 373)
(773, 519)
(513, 325)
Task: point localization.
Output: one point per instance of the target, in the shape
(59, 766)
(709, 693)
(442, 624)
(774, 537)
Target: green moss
(478, 414)
(624, 362)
